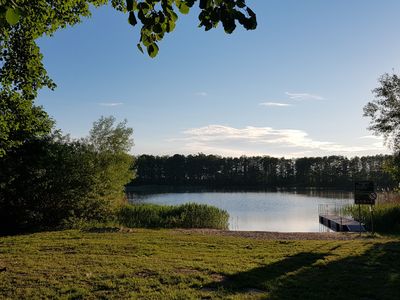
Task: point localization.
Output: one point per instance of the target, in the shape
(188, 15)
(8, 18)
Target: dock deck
(340, 224)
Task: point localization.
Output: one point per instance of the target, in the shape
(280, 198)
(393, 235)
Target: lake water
(259, 211)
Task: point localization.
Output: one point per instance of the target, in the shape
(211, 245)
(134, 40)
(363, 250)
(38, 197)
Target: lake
(259, 211)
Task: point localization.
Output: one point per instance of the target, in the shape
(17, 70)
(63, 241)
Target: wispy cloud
(372, 137)
(303, 96)
(250, 140)
(202, 94)
(275, 104)
(111, 103)
(373, 140)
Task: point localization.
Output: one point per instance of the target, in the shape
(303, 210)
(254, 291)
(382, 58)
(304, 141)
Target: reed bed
(190, 215)
(385, 216)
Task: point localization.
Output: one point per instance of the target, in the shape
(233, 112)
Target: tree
(22, 72)
(110, 144)
(53, 180)
(106, 136)
(45, 182)
(20, 120)
(22, 22)
(384, 112)
(261, 172)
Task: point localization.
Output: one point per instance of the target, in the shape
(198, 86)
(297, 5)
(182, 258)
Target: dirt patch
(102, 229)
(146, 273)
(186, 271)
(266, 235)
(218, 277)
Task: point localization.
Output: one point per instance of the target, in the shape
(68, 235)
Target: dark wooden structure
(340, 224)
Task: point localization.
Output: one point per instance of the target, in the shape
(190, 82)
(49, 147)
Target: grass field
(168, 264)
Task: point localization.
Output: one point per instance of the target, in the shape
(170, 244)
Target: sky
(294, 87)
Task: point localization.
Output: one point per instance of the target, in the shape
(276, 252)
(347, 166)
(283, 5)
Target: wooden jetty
(340, 224)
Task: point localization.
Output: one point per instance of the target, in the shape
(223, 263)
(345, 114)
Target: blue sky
(293, 87)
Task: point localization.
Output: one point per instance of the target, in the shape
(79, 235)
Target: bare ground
(267, 235)
(261, 235)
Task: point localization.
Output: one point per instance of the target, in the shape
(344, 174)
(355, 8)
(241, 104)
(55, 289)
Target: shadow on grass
(266, 277)
(373, 275)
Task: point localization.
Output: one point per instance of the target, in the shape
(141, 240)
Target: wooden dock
(340, 224)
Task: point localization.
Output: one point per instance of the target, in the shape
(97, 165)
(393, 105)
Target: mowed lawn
(168, 264)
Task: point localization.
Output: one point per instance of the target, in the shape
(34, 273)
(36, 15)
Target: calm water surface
(259, 211)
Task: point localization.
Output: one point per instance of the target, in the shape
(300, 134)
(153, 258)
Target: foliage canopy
(384, 110)
(53, 180)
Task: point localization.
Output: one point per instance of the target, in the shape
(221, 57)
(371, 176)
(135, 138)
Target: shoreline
(271, 235)
(258, 235)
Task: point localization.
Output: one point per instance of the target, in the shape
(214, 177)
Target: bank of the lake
(192, 264)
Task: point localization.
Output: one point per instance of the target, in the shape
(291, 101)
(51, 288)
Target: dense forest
(260, 171)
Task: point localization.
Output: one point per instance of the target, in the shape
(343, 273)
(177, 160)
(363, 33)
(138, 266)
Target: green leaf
(173, 16)
(171, 26)
(241, 3)
(132, 19)
(152, 50)
(157, 28)
(183, 8)
(129, 5)
(13, 15)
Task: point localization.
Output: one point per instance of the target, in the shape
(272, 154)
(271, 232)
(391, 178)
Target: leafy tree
(110, 144)
(106, 136)
(22, 22)
(392, 166)
(51, 180)
(20, 120)
(45, 182)
(384, 112)
(22, 72)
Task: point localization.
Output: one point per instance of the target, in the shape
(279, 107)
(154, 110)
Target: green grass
(190, 215)
(167, 264)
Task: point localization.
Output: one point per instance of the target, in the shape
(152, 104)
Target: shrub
(190, 215)
(52, 181)
(45, 182)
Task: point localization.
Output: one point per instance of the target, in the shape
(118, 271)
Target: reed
(385, 216)
(190, 215)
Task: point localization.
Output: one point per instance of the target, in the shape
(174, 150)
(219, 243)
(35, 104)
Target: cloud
(275, 104)
(111, 103)
(250, 140)
(372, 137)
(303, 96)
(202, 94)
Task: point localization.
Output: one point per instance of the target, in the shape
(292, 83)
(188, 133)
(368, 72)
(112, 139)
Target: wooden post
(359, 216)
(371, 209)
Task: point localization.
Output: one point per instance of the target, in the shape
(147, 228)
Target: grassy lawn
(165, 264)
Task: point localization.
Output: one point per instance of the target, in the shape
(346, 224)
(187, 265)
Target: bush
(190, 215)
(52, 181)
(47, 181)
(386, 217)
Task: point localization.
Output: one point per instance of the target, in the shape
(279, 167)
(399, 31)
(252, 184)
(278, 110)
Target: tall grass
(190, 215)
(388, 197)
(386, 217)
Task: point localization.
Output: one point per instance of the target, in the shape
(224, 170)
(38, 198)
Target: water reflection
(259, 211)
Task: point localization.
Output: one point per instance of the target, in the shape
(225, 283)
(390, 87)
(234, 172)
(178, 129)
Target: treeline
(261, 171)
